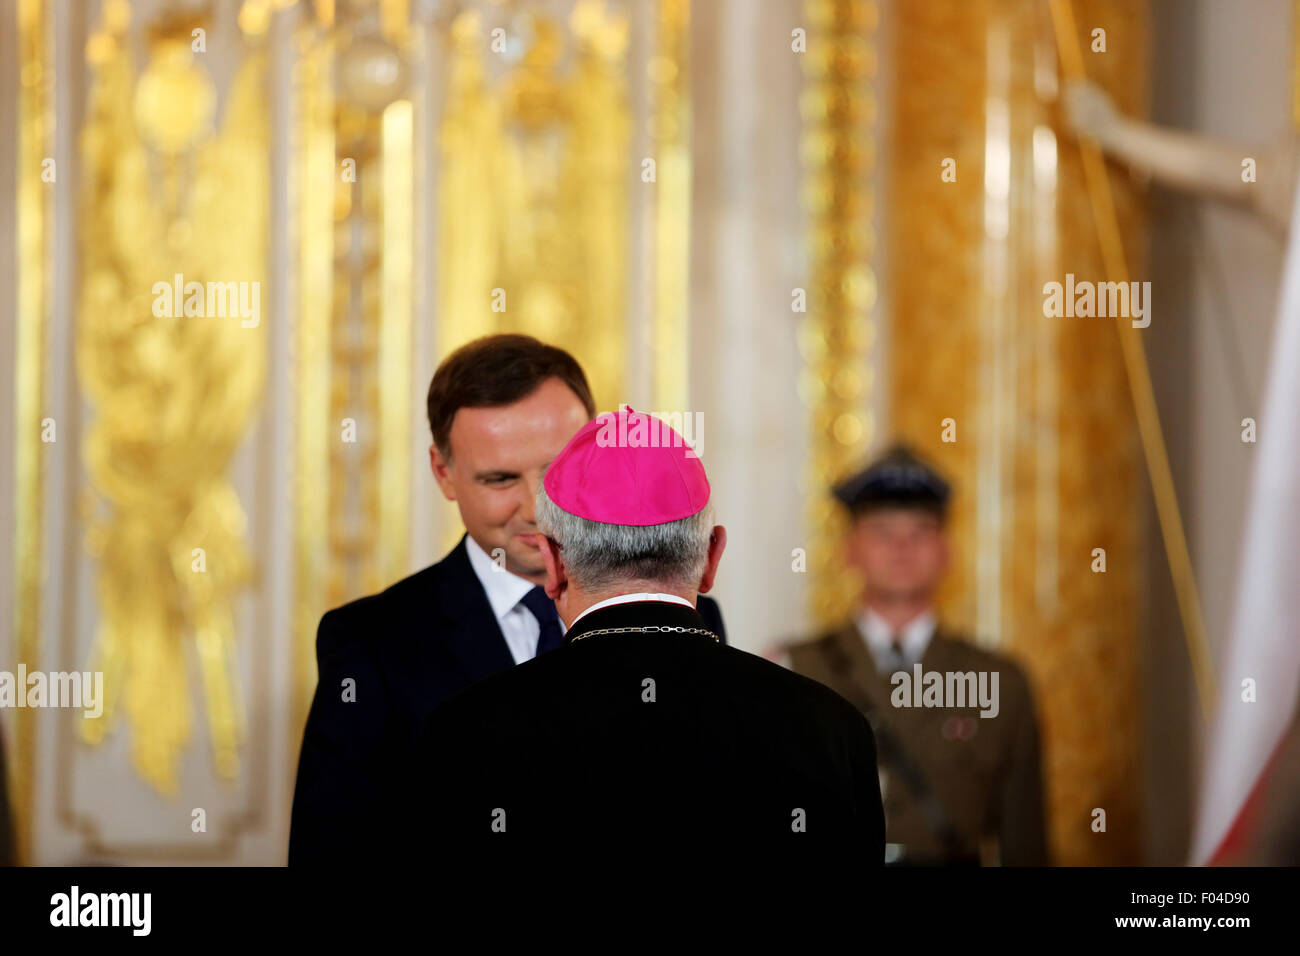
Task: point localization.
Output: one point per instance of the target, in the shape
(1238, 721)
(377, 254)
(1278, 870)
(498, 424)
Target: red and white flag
(1263, 645)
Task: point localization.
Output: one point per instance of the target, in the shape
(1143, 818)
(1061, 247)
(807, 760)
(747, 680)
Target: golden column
(838, 153)
(352, 188)
(34, 223)
(990, 204)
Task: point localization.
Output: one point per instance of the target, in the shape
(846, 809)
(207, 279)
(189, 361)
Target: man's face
(498, 455)
(901, 553)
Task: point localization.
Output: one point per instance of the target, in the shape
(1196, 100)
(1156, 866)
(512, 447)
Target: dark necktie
(543, 608)
(895, 659)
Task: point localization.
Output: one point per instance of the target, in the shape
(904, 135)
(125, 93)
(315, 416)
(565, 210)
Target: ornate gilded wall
(172, 396)
(383, 168)
(1045, 461)
(394, 178)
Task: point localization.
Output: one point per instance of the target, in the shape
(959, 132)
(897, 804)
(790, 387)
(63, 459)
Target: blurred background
(739, 209)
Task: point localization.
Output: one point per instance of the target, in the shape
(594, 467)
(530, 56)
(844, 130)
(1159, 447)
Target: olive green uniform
(957, 787)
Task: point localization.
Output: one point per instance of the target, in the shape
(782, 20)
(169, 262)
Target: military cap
(897, 477)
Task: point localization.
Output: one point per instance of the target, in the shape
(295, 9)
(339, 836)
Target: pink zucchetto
(628, 468)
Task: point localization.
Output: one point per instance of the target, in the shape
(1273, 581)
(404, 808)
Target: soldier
(961, 784)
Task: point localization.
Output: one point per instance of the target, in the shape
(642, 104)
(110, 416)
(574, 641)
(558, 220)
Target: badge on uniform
(959, 728)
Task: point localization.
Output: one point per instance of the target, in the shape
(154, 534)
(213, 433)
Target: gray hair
(598, 555)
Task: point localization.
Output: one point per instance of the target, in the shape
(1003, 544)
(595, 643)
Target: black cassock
(385, 662)
(648, 742)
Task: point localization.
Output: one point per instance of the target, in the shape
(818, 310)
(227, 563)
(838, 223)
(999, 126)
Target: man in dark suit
(500, 409)
(642, 733)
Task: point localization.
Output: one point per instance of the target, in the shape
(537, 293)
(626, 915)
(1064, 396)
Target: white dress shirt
(505, 590)
(913, 640)
(630, 598)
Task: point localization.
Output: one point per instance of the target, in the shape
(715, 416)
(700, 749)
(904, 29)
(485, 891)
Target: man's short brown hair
(498, 370)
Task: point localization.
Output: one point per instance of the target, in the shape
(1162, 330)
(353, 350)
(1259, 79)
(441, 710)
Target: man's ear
(717, 544)
(441, 468)
(557, 578)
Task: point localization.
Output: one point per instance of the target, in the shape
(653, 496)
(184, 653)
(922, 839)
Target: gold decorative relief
(171, 356)
(533, 194)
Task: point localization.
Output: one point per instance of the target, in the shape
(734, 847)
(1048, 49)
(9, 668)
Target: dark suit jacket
(406, 650)
(639, 744)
